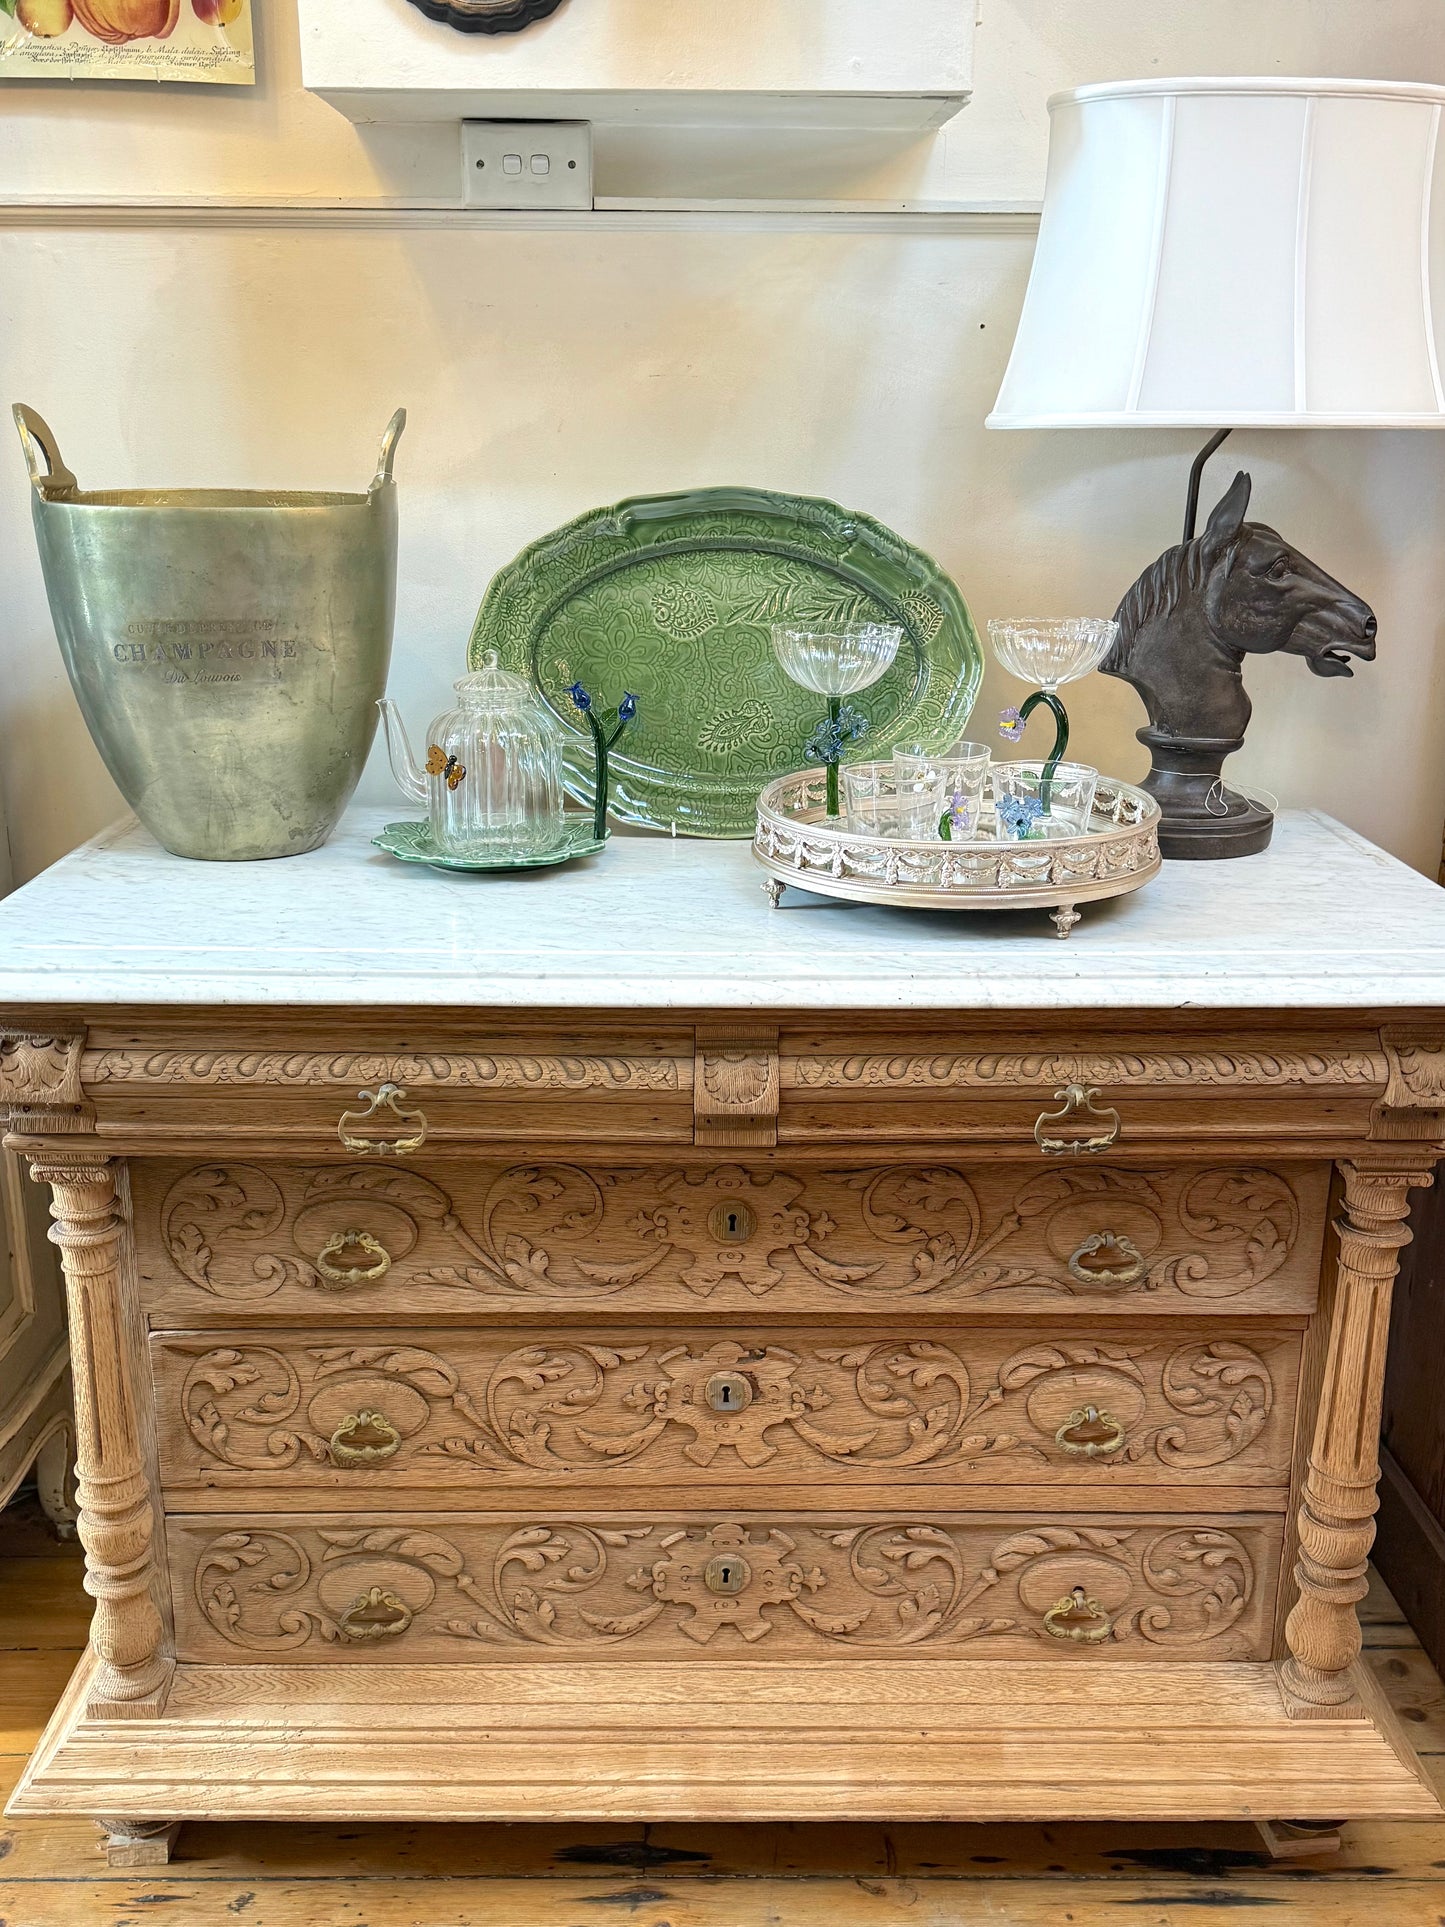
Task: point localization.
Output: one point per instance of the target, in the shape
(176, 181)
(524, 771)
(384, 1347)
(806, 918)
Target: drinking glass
(835, 663)
(1049, 651)
(872, 803)
(1070, 801)
(950, 780)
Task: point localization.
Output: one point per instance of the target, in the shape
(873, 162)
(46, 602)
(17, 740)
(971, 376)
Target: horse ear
(1228, 517)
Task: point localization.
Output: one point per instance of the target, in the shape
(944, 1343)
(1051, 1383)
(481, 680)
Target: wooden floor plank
(42, 1605)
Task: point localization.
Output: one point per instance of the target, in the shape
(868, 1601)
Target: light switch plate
(527, 163)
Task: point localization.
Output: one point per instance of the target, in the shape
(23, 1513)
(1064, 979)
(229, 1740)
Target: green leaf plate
(674, 596)
(412, 842)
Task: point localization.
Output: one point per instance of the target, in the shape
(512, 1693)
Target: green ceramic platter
(412, 842)
(673, 597)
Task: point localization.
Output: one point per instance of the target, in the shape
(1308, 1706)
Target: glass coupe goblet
(1048, 651)
(835, 663)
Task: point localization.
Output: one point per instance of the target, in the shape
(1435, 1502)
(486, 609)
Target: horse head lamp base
(1185, 628)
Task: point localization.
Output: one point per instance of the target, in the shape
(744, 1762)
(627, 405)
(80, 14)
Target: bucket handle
(37, 439)
(388, 448)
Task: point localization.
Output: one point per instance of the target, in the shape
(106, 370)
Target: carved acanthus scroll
(735, 1086)
(40, 1081)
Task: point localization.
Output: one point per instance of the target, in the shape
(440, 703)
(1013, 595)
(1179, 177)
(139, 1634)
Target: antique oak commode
(597, 1348)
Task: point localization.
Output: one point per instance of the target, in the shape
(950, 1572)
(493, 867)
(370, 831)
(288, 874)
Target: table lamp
(1233, 253)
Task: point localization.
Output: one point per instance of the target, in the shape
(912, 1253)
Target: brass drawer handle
(345, 1276)
(384, 1098)
(365, 1438)
(1107, 1262)
(375, 1615)
(1090, 1433)
(1078, 1104)
(1078, 1617)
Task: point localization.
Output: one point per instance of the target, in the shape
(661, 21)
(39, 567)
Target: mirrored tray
(673, 597)
(797, 843)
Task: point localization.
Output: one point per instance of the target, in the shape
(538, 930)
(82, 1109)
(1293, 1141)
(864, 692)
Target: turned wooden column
(1337, 1514)
(117, 1524)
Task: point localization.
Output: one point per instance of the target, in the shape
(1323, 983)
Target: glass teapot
(492, 782)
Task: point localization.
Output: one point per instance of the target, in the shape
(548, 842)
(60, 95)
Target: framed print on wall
(195, 40)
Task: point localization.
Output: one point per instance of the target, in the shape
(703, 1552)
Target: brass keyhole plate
(732, 1222)
(728, 1392)
(727, 1573)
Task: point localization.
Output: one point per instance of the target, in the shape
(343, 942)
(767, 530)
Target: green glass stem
(835, 709)
(1061, 740)
(599, 781)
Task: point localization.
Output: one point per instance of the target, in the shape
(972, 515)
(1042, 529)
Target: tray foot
(1064, 918)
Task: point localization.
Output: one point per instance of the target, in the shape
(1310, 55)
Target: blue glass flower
(627, 708)
(1018, 814)
(1010, 724)
(581, 700)
(825, 745)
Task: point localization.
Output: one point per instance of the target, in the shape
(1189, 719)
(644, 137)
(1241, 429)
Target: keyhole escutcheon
(732, 1222)
(728, 1392)
(727, 1573)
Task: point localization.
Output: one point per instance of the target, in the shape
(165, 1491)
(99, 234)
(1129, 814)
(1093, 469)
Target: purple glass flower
(1010, 724)
(580, 699)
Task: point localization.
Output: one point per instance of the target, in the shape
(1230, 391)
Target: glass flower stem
(599, 791)
(1061, 739)
(835, 709)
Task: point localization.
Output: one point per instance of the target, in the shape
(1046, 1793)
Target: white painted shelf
(905, 65)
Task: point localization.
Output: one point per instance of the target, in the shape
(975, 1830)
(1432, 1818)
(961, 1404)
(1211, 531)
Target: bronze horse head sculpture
(1185, 629)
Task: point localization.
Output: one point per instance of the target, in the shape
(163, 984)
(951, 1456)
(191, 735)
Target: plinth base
(896, 1740)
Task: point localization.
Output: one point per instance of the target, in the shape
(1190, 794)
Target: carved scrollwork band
(566, 1406)
(480, 1071)
(1184, 1068)
(772, 1587)
(244, 1233)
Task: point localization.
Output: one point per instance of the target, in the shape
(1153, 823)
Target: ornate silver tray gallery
(796, 843)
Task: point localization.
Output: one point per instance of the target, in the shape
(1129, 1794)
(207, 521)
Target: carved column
(1337, 1514)
(117, 1525)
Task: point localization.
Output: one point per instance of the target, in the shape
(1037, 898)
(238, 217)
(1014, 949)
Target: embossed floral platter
(673, 597)
(412, 843)
(797, 843)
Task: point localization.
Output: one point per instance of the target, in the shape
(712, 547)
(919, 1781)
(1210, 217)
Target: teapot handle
(388, 448)
(37, 439)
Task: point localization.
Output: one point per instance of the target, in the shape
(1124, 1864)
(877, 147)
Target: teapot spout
(409, 778)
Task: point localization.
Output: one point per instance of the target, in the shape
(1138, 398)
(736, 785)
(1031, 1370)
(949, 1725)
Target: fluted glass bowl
(1049, 651)
(836, 662)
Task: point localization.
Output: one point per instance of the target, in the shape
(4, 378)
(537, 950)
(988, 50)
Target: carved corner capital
(40, 1087)
(735, 1086)
(1413, 1103)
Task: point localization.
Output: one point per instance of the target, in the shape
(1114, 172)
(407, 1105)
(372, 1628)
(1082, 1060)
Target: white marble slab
(1321, 919)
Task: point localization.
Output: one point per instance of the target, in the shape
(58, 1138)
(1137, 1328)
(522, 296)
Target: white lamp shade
(1236, 253)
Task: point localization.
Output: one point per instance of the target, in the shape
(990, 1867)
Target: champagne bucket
(227, 647)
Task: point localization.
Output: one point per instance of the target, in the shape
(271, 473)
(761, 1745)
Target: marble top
(1321, 919)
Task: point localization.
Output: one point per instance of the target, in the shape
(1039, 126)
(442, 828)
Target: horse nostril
(1369, 629)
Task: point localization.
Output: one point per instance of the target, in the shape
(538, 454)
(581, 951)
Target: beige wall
(547, 372)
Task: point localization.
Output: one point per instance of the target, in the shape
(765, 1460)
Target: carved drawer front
(627, 1086)
(442, 1415)
(383, 1242)
(723, 1587)
(1183, 1088)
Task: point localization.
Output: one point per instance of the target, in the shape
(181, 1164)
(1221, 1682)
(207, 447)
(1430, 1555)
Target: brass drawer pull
(1078, 1105)
(383, 1098)
(1107, 1262)
(1091, 1433)
(365, 1438)
(375, 1615)
(345, 1276)
(1078, 1617)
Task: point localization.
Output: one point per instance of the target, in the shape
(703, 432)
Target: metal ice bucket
(227, 647)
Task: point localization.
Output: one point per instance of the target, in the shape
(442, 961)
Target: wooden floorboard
(1388, 1874)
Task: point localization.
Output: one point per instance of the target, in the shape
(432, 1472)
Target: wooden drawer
(471, 1588)
(1151, 1411)
(231, 1239)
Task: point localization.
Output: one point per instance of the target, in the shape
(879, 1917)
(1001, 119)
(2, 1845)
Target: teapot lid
(491, 687)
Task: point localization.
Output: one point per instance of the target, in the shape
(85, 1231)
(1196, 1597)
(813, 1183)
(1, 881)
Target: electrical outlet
(527, 163)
